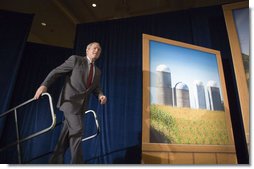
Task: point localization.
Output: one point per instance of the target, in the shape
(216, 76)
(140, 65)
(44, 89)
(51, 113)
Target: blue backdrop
(121, 64)
(14, 29)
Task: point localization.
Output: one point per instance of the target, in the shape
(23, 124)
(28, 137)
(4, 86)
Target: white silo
(182, 95)
(214, 96)
(199, 94)
(163, 85)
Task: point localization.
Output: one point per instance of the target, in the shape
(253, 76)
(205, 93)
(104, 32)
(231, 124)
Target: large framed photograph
(185, 105)
(237, 22)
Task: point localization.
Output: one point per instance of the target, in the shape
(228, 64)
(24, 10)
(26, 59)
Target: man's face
(94, 51)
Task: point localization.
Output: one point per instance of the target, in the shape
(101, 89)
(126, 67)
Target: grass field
(188, 126)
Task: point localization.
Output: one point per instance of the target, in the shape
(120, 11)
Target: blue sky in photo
(186, 65)
(241, 17)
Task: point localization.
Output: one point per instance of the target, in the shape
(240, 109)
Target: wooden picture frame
(164, 149)
(240, 61)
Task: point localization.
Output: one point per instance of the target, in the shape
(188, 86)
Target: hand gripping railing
(20, 140)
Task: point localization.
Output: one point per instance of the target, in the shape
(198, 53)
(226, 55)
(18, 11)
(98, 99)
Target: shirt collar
(89, 60)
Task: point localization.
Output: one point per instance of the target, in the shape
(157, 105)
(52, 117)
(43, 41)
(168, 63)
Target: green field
(188, 126)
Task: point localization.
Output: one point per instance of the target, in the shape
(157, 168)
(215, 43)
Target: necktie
(90, 76)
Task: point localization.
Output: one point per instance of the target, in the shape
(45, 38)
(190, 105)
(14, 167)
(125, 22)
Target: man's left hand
(103, 99)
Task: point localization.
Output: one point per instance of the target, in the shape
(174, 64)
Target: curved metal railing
(96, 123)
(20, 140)
(53, 117)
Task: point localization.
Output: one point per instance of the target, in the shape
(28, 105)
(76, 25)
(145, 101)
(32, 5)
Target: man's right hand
(40, 90)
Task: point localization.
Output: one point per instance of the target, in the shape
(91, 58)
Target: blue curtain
(121, 63)
(14, 29)
(37, 61)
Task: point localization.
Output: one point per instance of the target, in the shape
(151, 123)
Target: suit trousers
(71, 136)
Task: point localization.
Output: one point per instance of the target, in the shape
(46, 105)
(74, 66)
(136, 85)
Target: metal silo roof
(162, 68)
(182, 86)
(212, 83)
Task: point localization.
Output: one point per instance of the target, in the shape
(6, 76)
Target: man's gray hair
(90, 44)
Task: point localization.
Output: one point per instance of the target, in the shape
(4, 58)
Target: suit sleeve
(63, 69)
(98, 91)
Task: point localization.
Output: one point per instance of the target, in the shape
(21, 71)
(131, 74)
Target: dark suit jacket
(75, 95)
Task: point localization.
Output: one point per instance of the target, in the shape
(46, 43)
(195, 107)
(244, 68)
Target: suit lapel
(84, 69)
(95, 75)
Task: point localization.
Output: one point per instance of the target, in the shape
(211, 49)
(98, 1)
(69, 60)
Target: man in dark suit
(82, 80)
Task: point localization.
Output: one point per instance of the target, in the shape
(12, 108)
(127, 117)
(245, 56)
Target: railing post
(53, 116)
(17, 133)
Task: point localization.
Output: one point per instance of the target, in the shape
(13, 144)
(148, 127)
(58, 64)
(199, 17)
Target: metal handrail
(96, 123)
(53, 116)
(18, 141)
